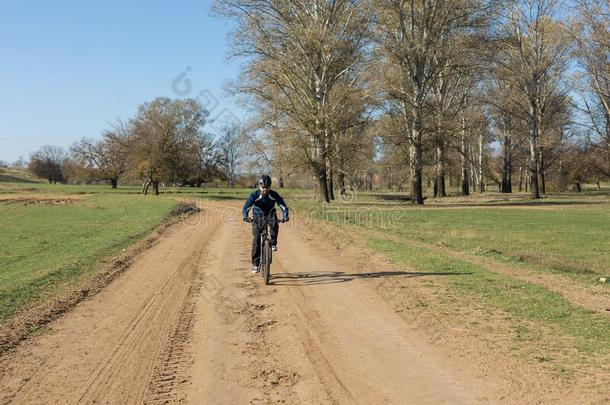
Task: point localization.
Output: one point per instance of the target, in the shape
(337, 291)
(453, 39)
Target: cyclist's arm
(249, 203)
(280, 201)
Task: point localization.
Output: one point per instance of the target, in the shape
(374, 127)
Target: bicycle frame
(266, 255)
(266, 252)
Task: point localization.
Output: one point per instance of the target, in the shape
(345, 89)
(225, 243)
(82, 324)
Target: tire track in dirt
(160, 308)
(352, 327)
(171, 369)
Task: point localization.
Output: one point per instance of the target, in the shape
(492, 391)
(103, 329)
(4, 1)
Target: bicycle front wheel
(266, 262)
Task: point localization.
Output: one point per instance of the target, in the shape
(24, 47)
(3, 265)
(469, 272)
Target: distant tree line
(399, 94)
(164, 143)
(406, 94)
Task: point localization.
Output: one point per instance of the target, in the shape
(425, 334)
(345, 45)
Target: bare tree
(204, 166)
(532, 56)
(48, 163)
(271, 146)
(593, 53)
(104, 159)
(233, 149)
(509, 122)
(297, 52)
(416, 41)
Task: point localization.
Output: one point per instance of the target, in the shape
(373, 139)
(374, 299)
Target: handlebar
(250, 220)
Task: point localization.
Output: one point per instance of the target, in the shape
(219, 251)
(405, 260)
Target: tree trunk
(331, 184)
(415, 161)
(155, 185)
(542, 179)
(341, 180)
(480, 168)
(323, 195)
(533, 140)
(439, 179)
(145, 187)
(474, 180)
(439, 186)
(533, 176)
(507, 154)
(281, 182)
(608, 156)
(561, 183)
(464, 161)
(465, 182)
(416, 173)
(114, 182)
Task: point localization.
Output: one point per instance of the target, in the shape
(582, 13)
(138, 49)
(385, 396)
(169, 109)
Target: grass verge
(520, 299)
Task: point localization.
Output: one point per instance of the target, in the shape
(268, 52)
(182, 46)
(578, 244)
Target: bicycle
(266, 255)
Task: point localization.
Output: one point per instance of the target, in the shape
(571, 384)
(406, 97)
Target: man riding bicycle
(263, 200)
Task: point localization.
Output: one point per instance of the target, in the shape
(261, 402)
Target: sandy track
(317, 335)
(188, 322)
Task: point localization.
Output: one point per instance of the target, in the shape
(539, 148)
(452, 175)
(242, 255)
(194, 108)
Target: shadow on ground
(329, 277)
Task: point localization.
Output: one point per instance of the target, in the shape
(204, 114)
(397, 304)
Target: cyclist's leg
(256, 242)
(275, 229)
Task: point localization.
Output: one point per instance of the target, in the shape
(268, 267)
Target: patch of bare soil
(39, 200)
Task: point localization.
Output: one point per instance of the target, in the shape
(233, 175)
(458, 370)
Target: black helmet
(265, 180)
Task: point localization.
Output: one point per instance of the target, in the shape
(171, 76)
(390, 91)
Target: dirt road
(188, 322)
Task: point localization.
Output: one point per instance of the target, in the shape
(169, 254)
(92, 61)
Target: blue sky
(68, 69)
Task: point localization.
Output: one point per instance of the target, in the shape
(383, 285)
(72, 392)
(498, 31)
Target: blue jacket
(264, 205)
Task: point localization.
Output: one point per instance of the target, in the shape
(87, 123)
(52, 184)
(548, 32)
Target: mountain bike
(266, 256)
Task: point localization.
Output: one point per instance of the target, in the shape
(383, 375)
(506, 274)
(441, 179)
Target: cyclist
(263, 200)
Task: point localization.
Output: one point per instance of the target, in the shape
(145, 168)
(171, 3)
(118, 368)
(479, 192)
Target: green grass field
(567, 238)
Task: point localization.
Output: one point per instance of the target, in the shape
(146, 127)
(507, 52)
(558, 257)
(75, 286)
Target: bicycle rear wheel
(266, 261)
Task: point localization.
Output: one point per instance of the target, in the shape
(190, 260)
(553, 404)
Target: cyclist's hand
(246, 219)
(285, 219)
